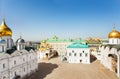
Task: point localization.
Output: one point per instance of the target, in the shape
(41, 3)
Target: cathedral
(110, 52)
(16, 60)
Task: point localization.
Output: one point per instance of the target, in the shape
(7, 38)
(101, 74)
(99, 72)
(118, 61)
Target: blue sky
(41, 19)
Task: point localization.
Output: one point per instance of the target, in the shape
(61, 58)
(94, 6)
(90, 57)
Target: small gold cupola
(5, 30)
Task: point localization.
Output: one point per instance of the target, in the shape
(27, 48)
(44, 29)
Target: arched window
(4, 77)
(112, 41)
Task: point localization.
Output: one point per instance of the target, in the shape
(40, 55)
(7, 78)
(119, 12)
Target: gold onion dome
(114, 34)
(5, 30)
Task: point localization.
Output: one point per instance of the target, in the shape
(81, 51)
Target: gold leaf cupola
(114, 34)
(5, 30)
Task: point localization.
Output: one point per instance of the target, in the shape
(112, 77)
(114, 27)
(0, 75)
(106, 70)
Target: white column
(118, 66)
(110, 63)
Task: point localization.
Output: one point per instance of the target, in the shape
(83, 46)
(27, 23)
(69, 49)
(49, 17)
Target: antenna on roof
(20, 34)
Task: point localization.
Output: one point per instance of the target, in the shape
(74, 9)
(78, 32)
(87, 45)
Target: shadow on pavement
(43, 70)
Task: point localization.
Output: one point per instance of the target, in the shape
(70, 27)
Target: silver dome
(20, 40)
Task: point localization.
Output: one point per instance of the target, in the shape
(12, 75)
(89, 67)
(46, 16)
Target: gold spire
(4, 29)
(114, 28)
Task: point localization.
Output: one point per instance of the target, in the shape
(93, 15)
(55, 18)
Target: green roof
(78, 45)
(79, 41)
(58, 40)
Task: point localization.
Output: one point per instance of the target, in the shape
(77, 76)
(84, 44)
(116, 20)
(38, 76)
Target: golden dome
(114, 34)
(5, 30)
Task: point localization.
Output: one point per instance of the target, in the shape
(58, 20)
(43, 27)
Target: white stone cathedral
(110, 53)
(15, 61)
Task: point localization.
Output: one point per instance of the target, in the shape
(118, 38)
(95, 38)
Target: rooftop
(78, 45)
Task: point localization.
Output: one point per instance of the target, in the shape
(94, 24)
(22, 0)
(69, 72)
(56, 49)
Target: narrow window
(7, 43)
(23, 59)
(15, 74)
(69, 54)
(80, 54)
(24, 69)
(4, 77)
(14, 62)
(3, 65)
(74, 54)
(2, 48)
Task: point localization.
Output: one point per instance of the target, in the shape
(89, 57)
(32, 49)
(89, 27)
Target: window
(86, 54)
(14, 62)
(72, 51)
(23, 59)
(80, 54)
(24, 69)
(7, 43)
(4, 77)
(74, 54)
(98, 54)
(69, 54)
(3, 65)
(112, 41)
(83, 51)
(15, 73)
(80, 61)
(2, 48)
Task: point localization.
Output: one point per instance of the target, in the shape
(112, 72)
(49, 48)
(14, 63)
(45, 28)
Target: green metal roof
(54, 40)
(78, 45)
(58, 40)
(79, 41)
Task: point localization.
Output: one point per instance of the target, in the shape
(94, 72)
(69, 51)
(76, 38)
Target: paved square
(55, 69)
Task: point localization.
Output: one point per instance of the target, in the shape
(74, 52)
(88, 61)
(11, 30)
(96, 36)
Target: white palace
(78, 52)
(16, 61)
